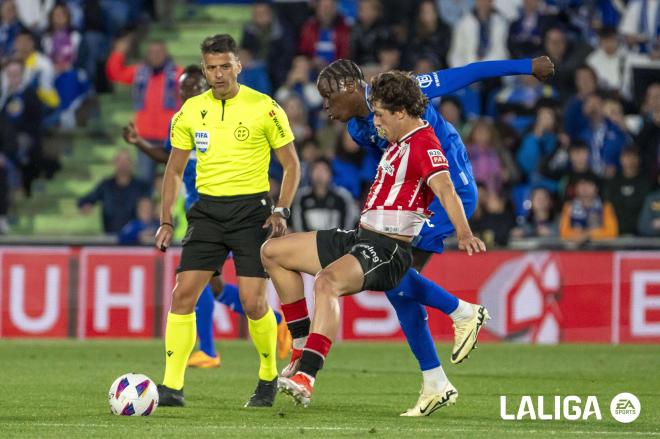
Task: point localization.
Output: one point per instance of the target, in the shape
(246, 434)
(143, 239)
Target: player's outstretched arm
(443, 82)
(130, 135)
(171, 185)
(443, 188)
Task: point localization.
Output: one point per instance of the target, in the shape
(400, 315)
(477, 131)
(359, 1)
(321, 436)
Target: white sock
(463, 311)
(434, 380)
(299, 343)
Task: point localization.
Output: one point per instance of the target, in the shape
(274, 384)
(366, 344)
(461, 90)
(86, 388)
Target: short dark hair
(219, 43)
(192, 69)
(338, 71)
(396, 91)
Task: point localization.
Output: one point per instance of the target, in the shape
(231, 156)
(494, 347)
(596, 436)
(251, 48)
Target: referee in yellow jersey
(232, 129)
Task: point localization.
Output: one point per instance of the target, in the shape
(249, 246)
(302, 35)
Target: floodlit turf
(59, 388)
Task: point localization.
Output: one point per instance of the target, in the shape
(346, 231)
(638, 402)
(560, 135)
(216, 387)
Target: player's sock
(229, 297)
(463, 311)
(264, 337)
(435, 380)
(179, 342)
(422, 290)
(314, 354)
(413, 320)
(204, 312)
(297, 319)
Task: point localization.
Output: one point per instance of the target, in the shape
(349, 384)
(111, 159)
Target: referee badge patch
(202, 140)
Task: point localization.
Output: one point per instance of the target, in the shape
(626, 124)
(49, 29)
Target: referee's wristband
(167, 224)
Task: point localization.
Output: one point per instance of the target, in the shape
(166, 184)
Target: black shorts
(218, 225)
(384, 260)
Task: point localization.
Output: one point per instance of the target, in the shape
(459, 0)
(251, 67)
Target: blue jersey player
(345, 93)
(192, 83)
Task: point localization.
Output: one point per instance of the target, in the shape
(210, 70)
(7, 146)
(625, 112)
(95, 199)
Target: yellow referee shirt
(232, 139)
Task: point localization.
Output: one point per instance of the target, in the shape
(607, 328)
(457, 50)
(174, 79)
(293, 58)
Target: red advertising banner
(34, 292)
(116, 292)
(532, 297)
(226, 322)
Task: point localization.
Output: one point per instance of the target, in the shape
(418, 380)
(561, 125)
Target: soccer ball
(133, 394)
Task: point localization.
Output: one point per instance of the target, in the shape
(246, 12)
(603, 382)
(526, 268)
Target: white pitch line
(412, 429)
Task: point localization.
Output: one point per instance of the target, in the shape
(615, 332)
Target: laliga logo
(625, 408)
(523, 297)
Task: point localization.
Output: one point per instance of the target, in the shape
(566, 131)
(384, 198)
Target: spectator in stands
(34, 14)
(493, 218)
(479, 35)
(452, 112)
(368, 32)
(587, 216)
(118, 195)
(9, 29)
(353, 167)
(526, 33)
(604, 138)
(492, 164)
(648, 137)
(539, 146)
(325, 37)
(269, 41)
(321, 205)
(4, 195)
(649, 218)
(293, 14)
(61, 44)
(452, 11)
(586, 83)
(299, 82)
(21, 114)
(155, 93)
(254, 73)
(428, 36)
(309, 153)
(608, 61)
(388, 55)
(521, 95)
(39, 71)
(297, 113)
(95, 44)
(578, 168)
(627, 190)
(540, 221)
(566, 58)
(639, 26)
(142, 229)
(613, 110)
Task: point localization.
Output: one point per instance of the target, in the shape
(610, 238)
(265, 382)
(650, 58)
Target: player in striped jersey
(376, 256)
(343, 87)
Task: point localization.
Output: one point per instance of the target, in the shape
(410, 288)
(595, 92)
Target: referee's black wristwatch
(284, 212)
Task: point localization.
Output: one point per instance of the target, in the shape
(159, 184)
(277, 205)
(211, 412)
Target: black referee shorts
(218, 225)
(384, 260)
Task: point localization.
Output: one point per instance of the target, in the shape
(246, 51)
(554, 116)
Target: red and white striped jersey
(399, 196)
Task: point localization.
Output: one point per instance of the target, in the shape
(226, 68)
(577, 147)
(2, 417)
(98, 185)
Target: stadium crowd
(577, 157)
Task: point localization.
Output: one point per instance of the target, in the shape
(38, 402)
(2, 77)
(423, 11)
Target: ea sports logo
(625, 407)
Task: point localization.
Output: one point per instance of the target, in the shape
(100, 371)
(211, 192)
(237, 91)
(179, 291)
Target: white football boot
(466, 332)
(427, 403)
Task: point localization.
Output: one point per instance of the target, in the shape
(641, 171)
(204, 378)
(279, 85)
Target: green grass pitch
(59, 389)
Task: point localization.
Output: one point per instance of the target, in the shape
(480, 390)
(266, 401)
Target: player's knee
(217, 285)
(326, 283)
(183, 300)
(269, 253)
(254, 305)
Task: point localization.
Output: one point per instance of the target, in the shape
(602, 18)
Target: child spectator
(540, 221)
(587, 216)
(142, 229)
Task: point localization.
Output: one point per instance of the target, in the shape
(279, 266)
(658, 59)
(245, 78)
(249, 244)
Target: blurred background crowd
(576, 158)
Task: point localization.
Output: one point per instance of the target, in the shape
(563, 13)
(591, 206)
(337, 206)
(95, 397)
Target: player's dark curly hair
(338, 71)
(192, 69)
(220, 43)
(396, 91)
